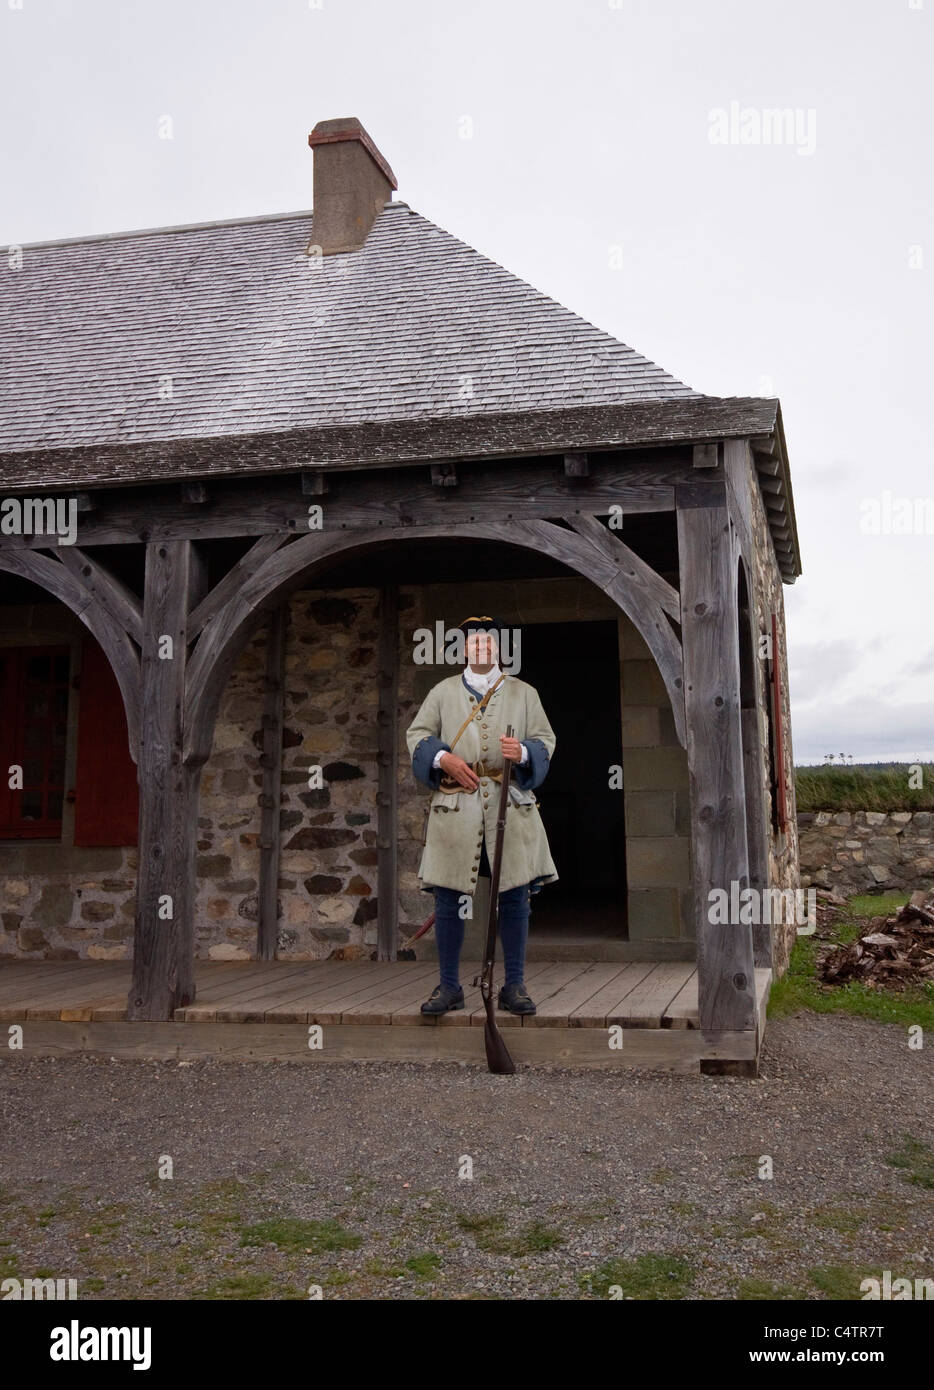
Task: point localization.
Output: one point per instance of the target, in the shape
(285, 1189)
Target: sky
(619, 155)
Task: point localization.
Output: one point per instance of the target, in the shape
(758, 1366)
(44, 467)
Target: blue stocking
(449, 934)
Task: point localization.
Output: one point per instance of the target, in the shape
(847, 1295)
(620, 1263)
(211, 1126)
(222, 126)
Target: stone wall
(867, 851)
(655, 782)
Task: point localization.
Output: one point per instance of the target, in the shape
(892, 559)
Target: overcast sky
(614, 154)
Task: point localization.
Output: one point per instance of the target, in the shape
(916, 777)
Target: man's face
(482, 650)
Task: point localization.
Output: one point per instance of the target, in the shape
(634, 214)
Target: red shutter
(107, 792)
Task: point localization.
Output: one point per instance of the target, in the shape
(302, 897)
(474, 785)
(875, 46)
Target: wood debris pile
(896, 952)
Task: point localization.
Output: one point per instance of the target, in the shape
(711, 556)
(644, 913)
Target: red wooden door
(106, 788)
(33, 732)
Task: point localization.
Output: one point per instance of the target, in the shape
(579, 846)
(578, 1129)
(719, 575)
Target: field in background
(864, 787)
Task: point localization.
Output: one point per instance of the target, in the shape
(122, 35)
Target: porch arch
(120, 650)
(643, 596)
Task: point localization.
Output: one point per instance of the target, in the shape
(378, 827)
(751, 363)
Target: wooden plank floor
(578, 994)
(373, 1009)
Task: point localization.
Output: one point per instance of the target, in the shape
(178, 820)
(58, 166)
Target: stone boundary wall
(866, 850)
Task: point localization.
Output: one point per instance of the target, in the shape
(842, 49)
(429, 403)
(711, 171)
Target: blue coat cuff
(422, 760)
(532, 774)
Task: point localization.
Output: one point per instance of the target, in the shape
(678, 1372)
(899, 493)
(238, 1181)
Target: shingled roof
(252, 335)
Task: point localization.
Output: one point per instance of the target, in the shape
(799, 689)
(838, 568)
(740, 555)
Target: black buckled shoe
(444, 999)
(515, 1000)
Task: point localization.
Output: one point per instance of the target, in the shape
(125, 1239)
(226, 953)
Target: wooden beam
(715, 765)
(314, 483)
(115, 597)
(706, 455)
(163, 943)
(643, 481)
(443, 475)
(213, 602)
(387, 720)
(631, 565)
(267, 931)
(706, 492)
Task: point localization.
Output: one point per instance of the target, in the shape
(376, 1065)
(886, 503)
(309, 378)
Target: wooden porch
(370, 1011)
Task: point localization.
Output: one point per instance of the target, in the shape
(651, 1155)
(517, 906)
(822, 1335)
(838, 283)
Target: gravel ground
(346, 1177)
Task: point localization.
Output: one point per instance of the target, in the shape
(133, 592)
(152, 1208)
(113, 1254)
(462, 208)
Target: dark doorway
(575, 669)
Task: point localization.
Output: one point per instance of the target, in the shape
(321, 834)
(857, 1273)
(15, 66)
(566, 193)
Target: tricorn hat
(481, 624)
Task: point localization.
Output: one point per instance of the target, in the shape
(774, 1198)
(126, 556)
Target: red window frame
(778, 727)
(46, 729)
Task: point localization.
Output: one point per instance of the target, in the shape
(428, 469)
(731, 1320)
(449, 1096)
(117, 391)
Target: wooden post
(163, 948)
(267, 932)
(750, 675)
(726, 980)
(756, 831)
(387, 719)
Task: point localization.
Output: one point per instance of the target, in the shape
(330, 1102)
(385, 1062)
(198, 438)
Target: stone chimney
(352, 182)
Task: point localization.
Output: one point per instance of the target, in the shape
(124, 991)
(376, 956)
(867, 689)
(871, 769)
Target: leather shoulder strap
(478, 711)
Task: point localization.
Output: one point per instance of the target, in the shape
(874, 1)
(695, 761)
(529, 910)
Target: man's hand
(462, 772)
(511, 748)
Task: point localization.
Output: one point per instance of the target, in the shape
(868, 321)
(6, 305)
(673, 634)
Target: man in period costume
(473, 710)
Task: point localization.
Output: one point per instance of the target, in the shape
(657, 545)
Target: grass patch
(487, 1231)
(866, 787)
(378, 1269)
(424, 1266)
(744, 1227)
(536, 1238)
(743, 1166)
(869, 905)
(645, 1277)
(682, 1208)
(915, 1160)
(290, 1233)
(839, 1282)
(800, 987)
(840, 1219)
(490, 1235)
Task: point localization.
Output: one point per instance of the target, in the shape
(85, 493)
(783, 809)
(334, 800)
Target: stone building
(242, 464)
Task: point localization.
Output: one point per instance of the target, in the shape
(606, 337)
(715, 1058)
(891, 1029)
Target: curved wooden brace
(115, 597)
(65, 586)
(229, 627)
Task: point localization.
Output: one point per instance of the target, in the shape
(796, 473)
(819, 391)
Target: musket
(497, 1054)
